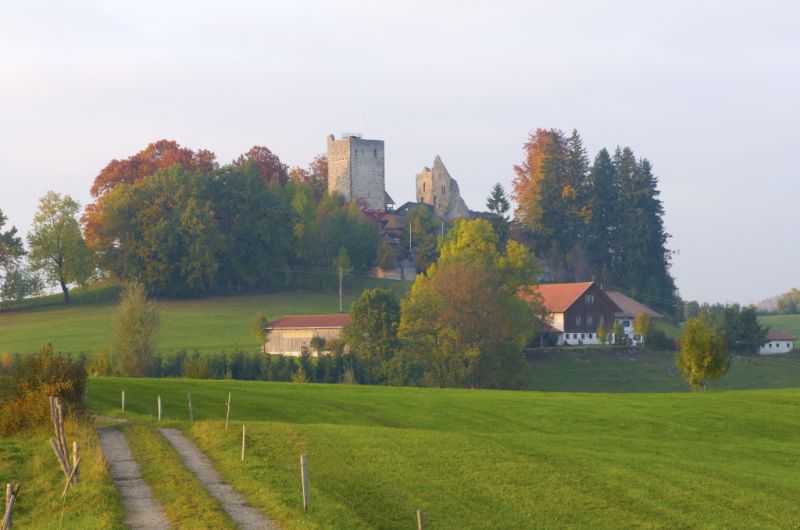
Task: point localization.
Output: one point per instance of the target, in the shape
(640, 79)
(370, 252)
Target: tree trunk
(64, 290)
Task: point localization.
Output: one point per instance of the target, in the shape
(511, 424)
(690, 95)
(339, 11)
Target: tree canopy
(57, 247)
(463, 320)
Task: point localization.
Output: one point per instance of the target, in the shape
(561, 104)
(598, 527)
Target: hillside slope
(492, 459)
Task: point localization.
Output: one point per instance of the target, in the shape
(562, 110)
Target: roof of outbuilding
(630, 307)
(778, 335)
(336, 320)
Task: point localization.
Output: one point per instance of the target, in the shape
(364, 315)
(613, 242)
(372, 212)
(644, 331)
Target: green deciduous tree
(57, 247)
(372, 334)
(10, 247)
(463, 320)
(703, 357)
(135, 327)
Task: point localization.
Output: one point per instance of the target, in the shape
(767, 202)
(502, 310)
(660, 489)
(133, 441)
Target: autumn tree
(547, 194)
(463, 320)
(135, 327)
(789, 303)
(57, 247)
(265, 163)
(157, 155)
(641, 324)
(703, 357)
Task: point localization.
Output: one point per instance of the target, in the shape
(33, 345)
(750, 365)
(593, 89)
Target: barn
(290, 335)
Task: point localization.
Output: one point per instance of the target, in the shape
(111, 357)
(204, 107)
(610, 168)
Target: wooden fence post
(419, 519)
(159, 408)
(228, 413)
(191, 416)
(123, 401)
(6, 523)
(75, 460)
(304, 477)
(243, 441)
(8, 494)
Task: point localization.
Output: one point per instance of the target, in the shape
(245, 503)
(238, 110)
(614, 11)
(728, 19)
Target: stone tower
(356, 170)
(436, 187)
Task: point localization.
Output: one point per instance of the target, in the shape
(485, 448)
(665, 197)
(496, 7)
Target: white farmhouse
(777, 342)
(630, 309)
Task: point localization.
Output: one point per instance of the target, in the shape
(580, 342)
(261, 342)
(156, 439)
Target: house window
(589, 320)
(626, 324)
(578, 320)
(583, 336)
(589, 298)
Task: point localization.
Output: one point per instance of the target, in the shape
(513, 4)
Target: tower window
(375, 153)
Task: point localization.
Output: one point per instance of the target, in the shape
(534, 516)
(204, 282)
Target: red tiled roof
(778, 335)
(630, 307)
(337, 320)
(559, 296)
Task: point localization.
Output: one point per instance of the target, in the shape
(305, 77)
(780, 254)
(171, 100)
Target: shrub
(34, 378)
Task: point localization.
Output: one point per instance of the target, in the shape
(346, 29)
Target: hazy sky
(708, 91)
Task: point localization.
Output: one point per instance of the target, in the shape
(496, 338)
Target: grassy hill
(207, 324)
(491, 459)
(790, 323)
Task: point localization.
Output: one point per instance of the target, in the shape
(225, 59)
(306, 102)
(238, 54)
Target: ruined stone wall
(356, 170)
(436, 187)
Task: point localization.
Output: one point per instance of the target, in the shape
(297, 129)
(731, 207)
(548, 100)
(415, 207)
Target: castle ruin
(356, 170)
(437, 188)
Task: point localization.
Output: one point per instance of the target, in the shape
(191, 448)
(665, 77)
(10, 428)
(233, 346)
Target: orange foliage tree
(157, 155)
(266, 163)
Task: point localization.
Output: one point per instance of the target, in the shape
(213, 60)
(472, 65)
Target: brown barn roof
(778, 335)
(630, 307)
(559, 296)
(336, 320)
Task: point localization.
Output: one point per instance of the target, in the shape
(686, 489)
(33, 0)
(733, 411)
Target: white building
(629, 310)
(777, 342)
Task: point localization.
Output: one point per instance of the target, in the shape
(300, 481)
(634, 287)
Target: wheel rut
(245, 516)
(142, 512)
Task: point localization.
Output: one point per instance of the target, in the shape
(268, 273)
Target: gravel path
(233, 503)
(141, 509)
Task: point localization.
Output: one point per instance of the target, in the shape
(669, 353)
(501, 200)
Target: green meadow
(207, 324)
(490, 459)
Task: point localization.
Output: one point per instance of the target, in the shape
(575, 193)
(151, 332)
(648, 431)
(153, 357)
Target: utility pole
(341, 276)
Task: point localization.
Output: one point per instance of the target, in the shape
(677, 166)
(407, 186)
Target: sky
(707, 91)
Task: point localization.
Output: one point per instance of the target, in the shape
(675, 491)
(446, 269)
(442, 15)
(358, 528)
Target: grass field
(92, 503)
(492, 459)
(790, 323)
(584, 370)
(208, 325)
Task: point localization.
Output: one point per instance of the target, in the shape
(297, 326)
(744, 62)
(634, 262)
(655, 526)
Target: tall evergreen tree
(498, 206)
(601, 203)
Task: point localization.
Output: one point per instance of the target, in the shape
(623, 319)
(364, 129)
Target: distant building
(777, 342)
(438, 189)
(576, 310)
(356, 170)
(290, 335)
(629, 310)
